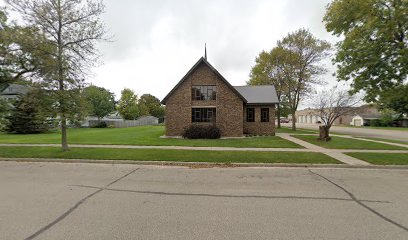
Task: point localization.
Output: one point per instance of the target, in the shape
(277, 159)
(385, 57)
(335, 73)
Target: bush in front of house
(203, 132)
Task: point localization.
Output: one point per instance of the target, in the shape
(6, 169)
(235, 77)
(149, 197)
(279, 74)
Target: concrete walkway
(401, 135)
(338, 155)
(312, 148)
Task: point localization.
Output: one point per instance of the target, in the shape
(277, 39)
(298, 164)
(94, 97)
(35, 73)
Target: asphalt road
(98, 201)
(400, 135)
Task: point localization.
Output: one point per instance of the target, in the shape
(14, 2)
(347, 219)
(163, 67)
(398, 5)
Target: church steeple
(205, 51)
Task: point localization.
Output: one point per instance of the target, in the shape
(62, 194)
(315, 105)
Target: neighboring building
(204, 97)
(116, 121)
(311, 116)
(364, 119)
(12, 92)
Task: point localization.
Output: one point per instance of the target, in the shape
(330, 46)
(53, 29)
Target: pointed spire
(205, 51)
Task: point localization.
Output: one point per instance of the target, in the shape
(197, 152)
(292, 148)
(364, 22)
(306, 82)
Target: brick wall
(258, 127)
(229, 105)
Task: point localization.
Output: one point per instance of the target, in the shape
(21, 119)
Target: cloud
(157, 42)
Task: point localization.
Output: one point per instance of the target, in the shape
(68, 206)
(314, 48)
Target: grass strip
(382, 158)
(167, 155)
(385, 140)
(348, 143)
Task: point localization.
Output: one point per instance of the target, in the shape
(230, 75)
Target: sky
(155, 42)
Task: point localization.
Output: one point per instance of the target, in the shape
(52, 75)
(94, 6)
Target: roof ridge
(203, 60)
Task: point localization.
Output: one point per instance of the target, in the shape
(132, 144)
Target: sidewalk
(336, 154)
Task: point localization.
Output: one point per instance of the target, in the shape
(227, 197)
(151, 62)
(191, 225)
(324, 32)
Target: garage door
(357, 122)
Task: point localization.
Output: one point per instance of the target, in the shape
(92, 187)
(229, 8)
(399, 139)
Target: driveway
(360, 132)
(101, 201)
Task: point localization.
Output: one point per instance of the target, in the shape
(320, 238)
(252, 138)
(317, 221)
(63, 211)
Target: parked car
(284, 120)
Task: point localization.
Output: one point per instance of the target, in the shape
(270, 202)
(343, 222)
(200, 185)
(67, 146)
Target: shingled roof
(258, 95)
(253, 95)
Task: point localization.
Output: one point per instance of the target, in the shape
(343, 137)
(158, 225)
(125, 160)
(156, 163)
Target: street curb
(203, 164)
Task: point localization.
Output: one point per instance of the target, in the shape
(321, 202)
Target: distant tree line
(35, 112)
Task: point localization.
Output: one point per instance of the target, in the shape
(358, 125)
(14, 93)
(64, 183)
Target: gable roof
(3, 86)
(204, 61)
(14, 89)
(264, 94)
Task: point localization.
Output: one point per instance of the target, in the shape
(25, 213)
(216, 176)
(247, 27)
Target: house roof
(370, 116)
(264, 94)
(3, 86)
(14, 89)
(204, 61)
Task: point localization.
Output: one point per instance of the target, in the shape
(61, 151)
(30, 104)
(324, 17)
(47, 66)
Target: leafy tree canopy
(128, 105)
(153, 105)
(101, 101)
(23, 50)
(395, 99)
(374, 50)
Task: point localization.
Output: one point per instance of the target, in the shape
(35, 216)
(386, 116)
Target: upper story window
(264, 114)
(250, 114)
(204, 92)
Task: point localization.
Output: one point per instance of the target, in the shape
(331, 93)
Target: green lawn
(385, 140)
(298, 131)
(382, 158)
(167, 155)
(144, 136)
(347, 143)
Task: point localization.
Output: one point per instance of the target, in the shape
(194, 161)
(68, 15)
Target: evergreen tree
(30, 114)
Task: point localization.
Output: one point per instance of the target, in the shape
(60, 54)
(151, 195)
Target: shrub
(376, 123)
(204, 132)
(101, 125)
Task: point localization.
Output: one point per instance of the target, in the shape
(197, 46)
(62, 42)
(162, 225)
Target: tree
(72, 28)
(153, 105)
(23, 50)
(373, 52)
(301, 55)
(4, 110)
(395, 99)
(268, 70)
(78, 105)
(387, 117)
(101, 101)
(128, 105)
(332, 104)
(143, 109)
(31, 114)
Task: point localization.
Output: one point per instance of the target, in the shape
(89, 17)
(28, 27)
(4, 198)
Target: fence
(119, 123)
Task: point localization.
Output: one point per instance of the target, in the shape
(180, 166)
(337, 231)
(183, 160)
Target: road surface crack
(73, 208)
(359, 202)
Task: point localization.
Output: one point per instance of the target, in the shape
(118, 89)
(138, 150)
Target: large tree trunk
(278, 114)
(324, 133)
(64, 141)
(293, 120)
